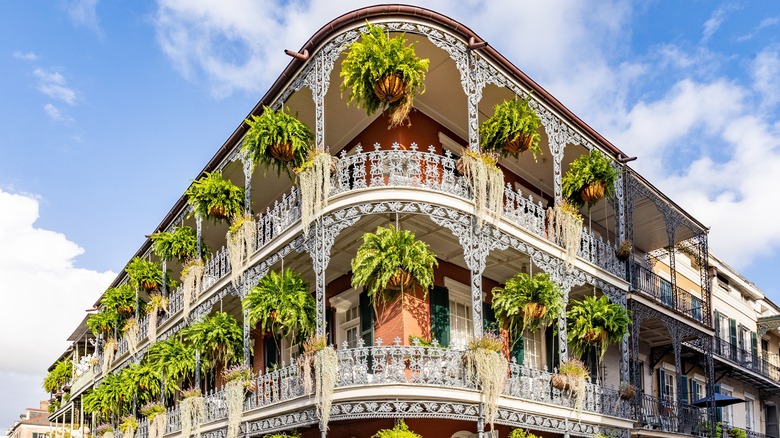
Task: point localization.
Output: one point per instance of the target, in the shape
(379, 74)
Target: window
(533, 353)
(461, 326)
(347, 318)
(696, 309)
(727, 410)
(666, 293)
(349, 326)
(669, 387)
(748, 412)
(291, 348)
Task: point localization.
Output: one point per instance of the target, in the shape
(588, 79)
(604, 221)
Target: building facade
(682, 344)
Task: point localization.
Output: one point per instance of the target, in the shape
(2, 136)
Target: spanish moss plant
(241, 242)
(487, 184)
(564, 227)
(314, 182)
(486, 368)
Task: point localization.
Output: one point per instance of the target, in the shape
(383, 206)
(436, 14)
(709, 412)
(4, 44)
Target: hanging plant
(156, 417)
(324, 359)
(595, 323)
(128, 425)
(513, 128)
(130, 332)
(173, 360)
(277, 139)
(390, 261)
(486, 368)
(157, 303)
(237, 379)
(142, 382)
(487, 183)
(218, 337)
(572, 376)
(103, 322)
(60, 375)
(527, 303)
(216, 198)
(282, 304)
(192, 412)
(120, 300)
(191, 282)
(626, 391)
(314, 182)
(382, 72)
(104, 431)
(564, 227)
(293, 434)
(180, 244)
(590, 177)
(521, 433)
(401, 430)
(144, 274)
(241, 242)
(624, 250)
(109, 349)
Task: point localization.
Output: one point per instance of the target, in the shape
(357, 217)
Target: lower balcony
(398, 381)
(663, 415)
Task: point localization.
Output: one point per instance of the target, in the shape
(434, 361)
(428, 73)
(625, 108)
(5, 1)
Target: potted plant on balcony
(564, 227)
(59, 376)
(241, 242)
(590, 177)
(120, 300)
(180, 244)
(486, 368)
(214, 197)
(400, 430)
(282, 304)
(104, 431)
(293, 434)
(219, 338)
(237, 380)
(572, 376)
(623, 251)
(109, 349)
(320, 357)
(191, 283)
(128, 425)
(157, 304)
(192, 412)
(142, 381)
(737, 432)
(527, 303)
(383, 72)
(487, 183)
(103, 322)
(391, 261)
(596, 323)
(512, 129)
(626, 391)
(521, 433)
(314, 183)
(277, 139)
(157, 418)
(174, 361)
(144, 274)
(130, 332)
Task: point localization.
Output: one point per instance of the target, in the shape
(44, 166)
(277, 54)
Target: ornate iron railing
(649, 283)
(663, 414)
(746, 359)
(413, 365)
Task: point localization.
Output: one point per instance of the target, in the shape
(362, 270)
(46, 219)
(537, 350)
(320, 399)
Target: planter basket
(390, 88)
(560, 381)
(627, 393)
(623, 253)
(520, 144)
(591, 337)
(535, 310)
(218, 211)
(149, 286)
(283, 152)
(401, 280)
(124, 310)
(592, 192)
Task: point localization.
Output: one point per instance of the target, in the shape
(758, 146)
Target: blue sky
(108, 109)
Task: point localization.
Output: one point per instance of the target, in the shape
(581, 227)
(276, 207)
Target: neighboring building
(33, 423)
(689, 338)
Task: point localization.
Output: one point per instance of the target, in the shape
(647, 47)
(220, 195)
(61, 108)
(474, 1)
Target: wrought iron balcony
(661, 291)
(663, 414)
(413, 366)
(767, 365)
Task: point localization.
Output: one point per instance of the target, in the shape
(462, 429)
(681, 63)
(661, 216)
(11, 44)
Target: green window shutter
(553, 347)
(366, 320)
(754, 348)
(718, 411)
(330, 327)
(717, 323)
(733, 338)
(518, 349)
(440, 315)
(270, 352)
(684, 394)
(694, 391)
(489, 318)
(741, 337)
(661, 386)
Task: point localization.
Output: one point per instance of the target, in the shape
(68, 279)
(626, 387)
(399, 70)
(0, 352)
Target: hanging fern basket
(594, 336)
(402, 280)
(283, 152)
(592, 192)
(560, 381)
(623, 253)
(389, 89)
(521, 143)
(149, 286)
(534, 310)
(218, 212)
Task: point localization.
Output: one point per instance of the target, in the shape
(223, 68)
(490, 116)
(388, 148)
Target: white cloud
(26, 56)
(44, 294)
(53, 112)
(766, 76)
(54, 85)
(84, 13)
(765, 23)
(713, 23)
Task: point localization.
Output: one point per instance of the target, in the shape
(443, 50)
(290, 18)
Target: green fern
(174, 360)
(212, 193)
(144, 272)
(383, 254)
(587, 169)
(401, 430)
(596, 323)
(58, 376)
(120, 299)
(219, 338)
(283, 304)
(514, 302)
(180, 244)
(103, 322)
(510, 120)
(274, 128)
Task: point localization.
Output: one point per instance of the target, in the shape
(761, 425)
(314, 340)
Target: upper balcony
(761, 371)
(661, 291)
